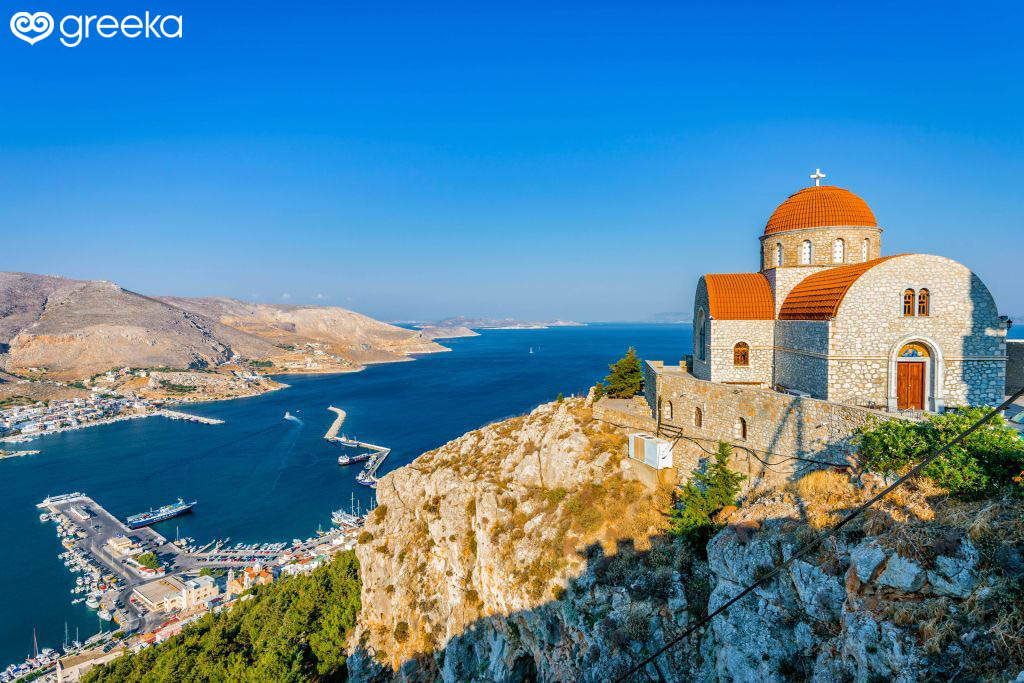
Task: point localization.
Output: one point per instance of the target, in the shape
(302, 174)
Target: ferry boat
(166, 512)
(349, 459)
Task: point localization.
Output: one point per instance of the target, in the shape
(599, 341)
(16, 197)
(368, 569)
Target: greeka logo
(40, 23)
(33, 27)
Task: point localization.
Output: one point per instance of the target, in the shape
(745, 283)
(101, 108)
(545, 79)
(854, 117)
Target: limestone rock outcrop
(523, 550)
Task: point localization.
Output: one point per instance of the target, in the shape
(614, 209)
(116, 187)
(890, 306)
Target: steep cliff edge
(521, 550)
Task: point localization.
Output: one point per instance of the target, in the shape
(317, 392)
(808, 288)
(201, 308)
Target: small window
(741, 355)
(838, 250)
(667, 412)
(908, 303)
(806, 252)
(741, 429)
(923, 302)
(702, 335)
(698, 418)
(865, 249)
(778, 254)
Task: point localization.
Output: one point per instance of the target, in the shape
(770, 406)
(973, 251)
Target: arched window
(838, 250)
(923, 302)
(741, 429)
(667, 412)
(702, 335)
(806, 252)
(908, 303)
(741, 354)
(778, 254)
(865, 249)
(698, 417)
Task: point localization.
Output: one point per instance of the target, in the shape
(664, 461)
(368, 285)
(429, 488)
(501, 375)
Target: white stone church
(827, 315)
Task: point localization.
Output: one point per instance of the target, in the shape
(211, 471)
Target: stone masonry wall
(701, 367)
(778, 426)
(821, 240)
(1014, 365)
(963, 331)
(758, 335)
(800, 350)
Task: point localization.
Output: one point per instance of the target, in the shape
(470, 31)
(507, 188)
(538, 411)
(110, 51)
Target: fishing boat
(105, 615)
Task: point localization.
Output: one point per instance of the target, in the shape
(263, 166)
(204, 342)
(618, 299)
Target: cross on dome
(817, 176)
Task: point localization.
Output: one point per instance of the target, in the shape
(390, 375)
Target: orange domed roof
(818, 207)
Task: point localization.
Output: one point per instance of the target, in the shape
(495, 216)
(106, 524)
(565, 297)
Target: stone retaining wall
(779, 428)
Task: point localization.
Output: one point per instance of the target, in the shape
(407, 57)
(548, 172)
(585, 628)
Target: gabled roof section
(817, 297)
(740, 296)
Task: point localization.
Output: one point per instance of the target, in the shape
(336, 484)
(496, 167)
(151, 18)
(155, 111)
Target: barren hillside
(355, 337)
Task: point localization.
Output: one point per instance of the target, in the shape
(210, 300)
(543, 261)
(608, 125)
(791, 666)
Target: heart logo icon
(40, 23)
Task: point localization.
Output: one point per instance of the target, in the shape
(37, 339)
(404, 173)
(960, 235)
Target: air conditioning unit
(650, 450)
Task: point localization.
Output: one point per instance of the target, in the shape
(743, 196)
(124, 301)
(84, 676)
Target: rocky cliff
(525, 550)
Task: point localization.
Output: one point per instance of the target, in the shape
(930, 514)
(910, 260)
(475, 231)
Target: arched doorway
(915, 376)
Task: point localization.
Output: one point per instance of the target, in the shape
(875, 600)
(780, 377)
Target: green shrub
(691, 517)
(980, 465)
(555, 496)
(401, 632)
(638, 627)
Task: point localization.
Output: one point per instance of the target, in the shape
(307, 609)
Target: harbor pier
(332, 431)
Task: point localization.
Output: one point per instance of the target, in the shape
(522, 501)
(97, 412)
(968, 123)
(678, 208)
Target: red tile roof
(740, 296)
(817, 297)
(818, 207)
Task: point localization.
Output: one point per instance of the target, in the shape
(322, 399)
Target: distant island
(470, 324)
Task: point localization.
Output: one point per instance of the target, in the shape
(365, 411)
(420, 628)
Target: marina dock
(368, 477)
(90, 535)
(16, 454)
(176, 415)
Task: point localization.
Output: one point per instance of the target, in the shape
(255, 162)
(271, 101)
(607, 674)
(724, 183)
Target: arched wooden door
(912, 376)
(910, 385)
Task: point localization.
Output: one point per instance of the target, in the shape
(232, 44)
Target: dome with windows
(819, 207)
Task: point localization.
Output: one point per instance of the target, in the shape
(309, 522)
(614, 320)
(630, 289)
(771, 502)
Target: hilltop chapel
(828, 316)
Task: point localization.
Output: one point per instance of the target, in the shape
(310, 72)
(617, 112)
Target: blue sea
(261, 478)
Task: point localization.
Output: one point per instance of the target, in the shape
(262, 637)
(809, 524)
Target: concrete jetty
(332, 431)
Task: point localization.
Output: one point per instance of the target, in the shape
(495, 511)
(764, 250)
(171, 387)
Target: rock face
(520, 551)
(467, 561)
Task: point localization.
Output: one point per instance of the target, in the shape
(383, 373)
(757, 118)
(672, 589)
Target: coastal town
(24, 423)
(151, 587)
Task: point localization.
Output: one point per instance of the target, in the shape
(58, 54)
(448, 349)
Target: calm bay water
(260, 478)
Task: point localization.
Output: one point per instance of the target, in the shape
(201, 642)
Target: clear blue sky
(588, 161)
